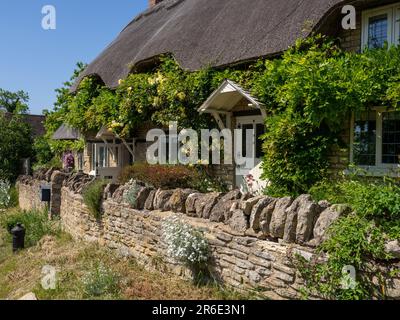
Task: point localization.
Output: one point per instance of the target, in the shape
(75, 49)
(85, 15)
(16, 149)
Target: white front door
(252, 151)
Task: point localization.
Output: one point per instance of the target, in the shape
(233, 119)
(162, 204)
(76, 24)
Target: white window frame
(96, 153)
(379, 168)
(393, 13)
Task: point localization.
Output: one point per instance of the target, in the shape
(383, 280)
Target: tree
(14, 102)
(15, 144)
(55, 118)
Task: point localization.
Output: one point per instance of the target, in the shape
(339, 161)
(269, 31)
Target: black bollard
(18, 233)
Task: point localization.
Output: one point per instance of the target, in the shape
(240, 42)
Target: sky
(38, 61)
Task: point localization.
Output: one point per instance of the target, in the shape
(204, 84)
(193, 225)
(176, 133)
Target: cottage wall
(350, 40)
(225, 173)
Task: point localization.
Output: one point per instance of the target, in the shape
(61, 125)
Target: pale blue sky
(39, 61)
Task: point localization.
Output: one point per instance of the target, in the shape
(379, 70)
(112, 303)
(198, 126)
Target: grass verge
(88, 271)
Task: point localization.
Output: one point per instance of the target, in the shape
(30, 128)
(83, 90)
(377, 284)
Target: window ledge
(374, 171)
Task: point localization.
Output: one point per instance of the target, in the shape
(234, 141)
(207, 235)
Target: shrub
(171, 177)
(93, 196)
(54, 163)
(15, 144)
(14, 199)
(295, 155)
(101, 281)
(8, 195)
(378, 199)
(184, 243)
(5, 196)
(310, 92)
(357, 239)
(354, 241)
(372, 200)
(37, 224)
(205, 182)
(43, 152)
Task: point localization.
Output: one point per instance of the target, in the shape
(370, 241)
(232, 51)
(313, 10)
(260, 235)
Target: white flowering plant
(5, 194)
(100, 281)
(132, 193)
(184, 243)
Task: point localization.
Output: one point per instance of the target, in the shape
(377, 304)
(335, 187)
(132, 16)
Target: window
(364, 145)
(99, 156)
(377, 31)
(80, 161)
(93, 157)
(391, 137)
(103, 156)
(381, 26)
(376, 138)
(116, 156)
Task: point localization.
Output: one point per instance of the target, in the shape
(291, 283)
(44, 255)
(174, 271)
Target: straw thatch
(208, 32)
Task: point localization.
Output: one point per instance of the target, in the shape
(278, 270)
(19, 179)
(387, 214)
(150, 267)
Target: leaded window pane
(391, 137)
(365, 138)
(377, 31)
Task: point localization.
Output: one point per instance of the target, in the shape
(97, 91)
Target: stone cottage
(226, 33)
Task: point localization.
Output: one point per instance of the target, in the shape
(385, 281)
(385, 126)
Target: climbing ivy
(308, 92)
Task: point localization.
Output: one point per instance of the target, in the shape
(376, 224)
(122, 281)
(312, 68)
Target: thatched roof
(209, 32)
(66, 132)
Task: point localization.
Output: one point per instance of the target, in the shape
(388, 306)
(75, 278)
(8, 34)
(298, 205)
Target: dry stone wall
(253, 240)
(29, 193)
(29, 189)
(238, 260)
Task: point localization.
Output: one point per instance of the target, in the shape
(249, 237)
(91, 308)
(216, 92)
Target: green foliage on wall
(309, 92)
(356, 239)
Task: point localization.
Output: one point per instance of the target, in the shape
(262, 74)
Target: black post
(18, 233)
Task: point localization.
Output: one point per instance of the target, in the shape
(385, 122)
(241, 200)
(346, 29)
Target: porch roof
(228, 98)
(105, 134)
(66, 132)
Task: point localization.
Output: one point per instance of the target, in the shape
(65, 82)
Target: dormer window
(381, 26)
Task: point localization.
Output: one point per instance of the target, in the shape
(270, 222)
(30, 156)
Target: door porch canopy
(106, 134)
(229, 99)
